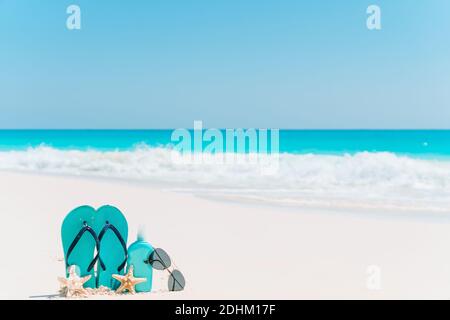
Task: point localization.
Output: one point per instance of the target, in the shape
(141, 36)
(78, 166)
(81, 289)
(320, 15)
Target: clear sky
(230, 63)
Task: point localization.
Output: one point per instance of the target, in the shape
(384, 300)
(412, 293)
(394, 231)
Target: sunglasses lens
(159, 259)
(176, 281)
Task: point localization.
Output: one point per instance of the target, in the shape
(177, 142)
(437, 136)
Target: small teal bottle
(138, 254)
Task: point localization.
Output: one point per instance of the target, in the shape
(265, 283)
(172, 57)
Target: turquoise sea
(369, 169)
(420, 143)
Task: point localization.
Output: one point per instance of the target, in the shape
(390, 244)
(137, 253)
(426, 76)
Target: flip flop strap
(77, 239)
(122, 242)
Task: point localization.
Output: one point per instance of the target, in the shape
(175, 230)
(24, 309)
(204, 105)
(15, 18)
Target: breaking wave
(375, 180)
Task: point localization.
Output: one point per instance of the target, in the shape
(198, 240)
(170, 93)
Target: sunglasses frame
(170, 268)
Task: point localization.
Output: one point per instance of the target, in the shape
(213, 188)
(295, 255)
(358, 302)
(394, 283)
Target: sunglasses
(160, 260)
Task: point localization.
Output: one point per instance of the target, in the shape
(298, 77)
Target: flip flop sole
(83, 253)
(111, 249)
(138, 253)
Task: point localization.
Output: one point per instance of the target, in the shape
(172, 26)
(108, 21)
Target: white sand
(225, 249)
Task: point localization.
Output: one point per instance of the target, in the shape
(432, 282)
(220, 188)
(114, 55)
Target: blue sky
(230, 63)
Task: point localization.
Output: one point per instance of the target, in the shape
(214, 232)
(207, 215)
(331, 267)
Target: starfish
(73, 285)
(128, 281)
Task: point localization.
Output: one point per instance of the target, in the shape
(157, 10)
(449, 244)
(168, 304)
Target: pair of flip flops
(96, 239)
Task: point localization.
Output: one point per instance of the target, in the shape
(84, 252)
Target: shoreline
(253, 200)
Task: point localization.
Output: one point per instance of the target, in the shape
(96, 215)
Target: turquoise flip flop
(80, 241)
(112, 230)
(138, 255)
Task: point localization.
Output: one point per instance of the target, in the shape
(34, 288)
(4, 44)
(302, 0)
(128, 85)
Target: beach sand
(226, 249)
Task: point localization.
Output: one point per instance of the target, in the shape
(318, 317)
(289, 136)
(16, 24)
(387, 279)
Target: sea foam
(372, 180)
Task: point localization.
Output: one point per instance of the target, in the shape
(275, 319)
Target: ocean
(415, 143)
(370, 169)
